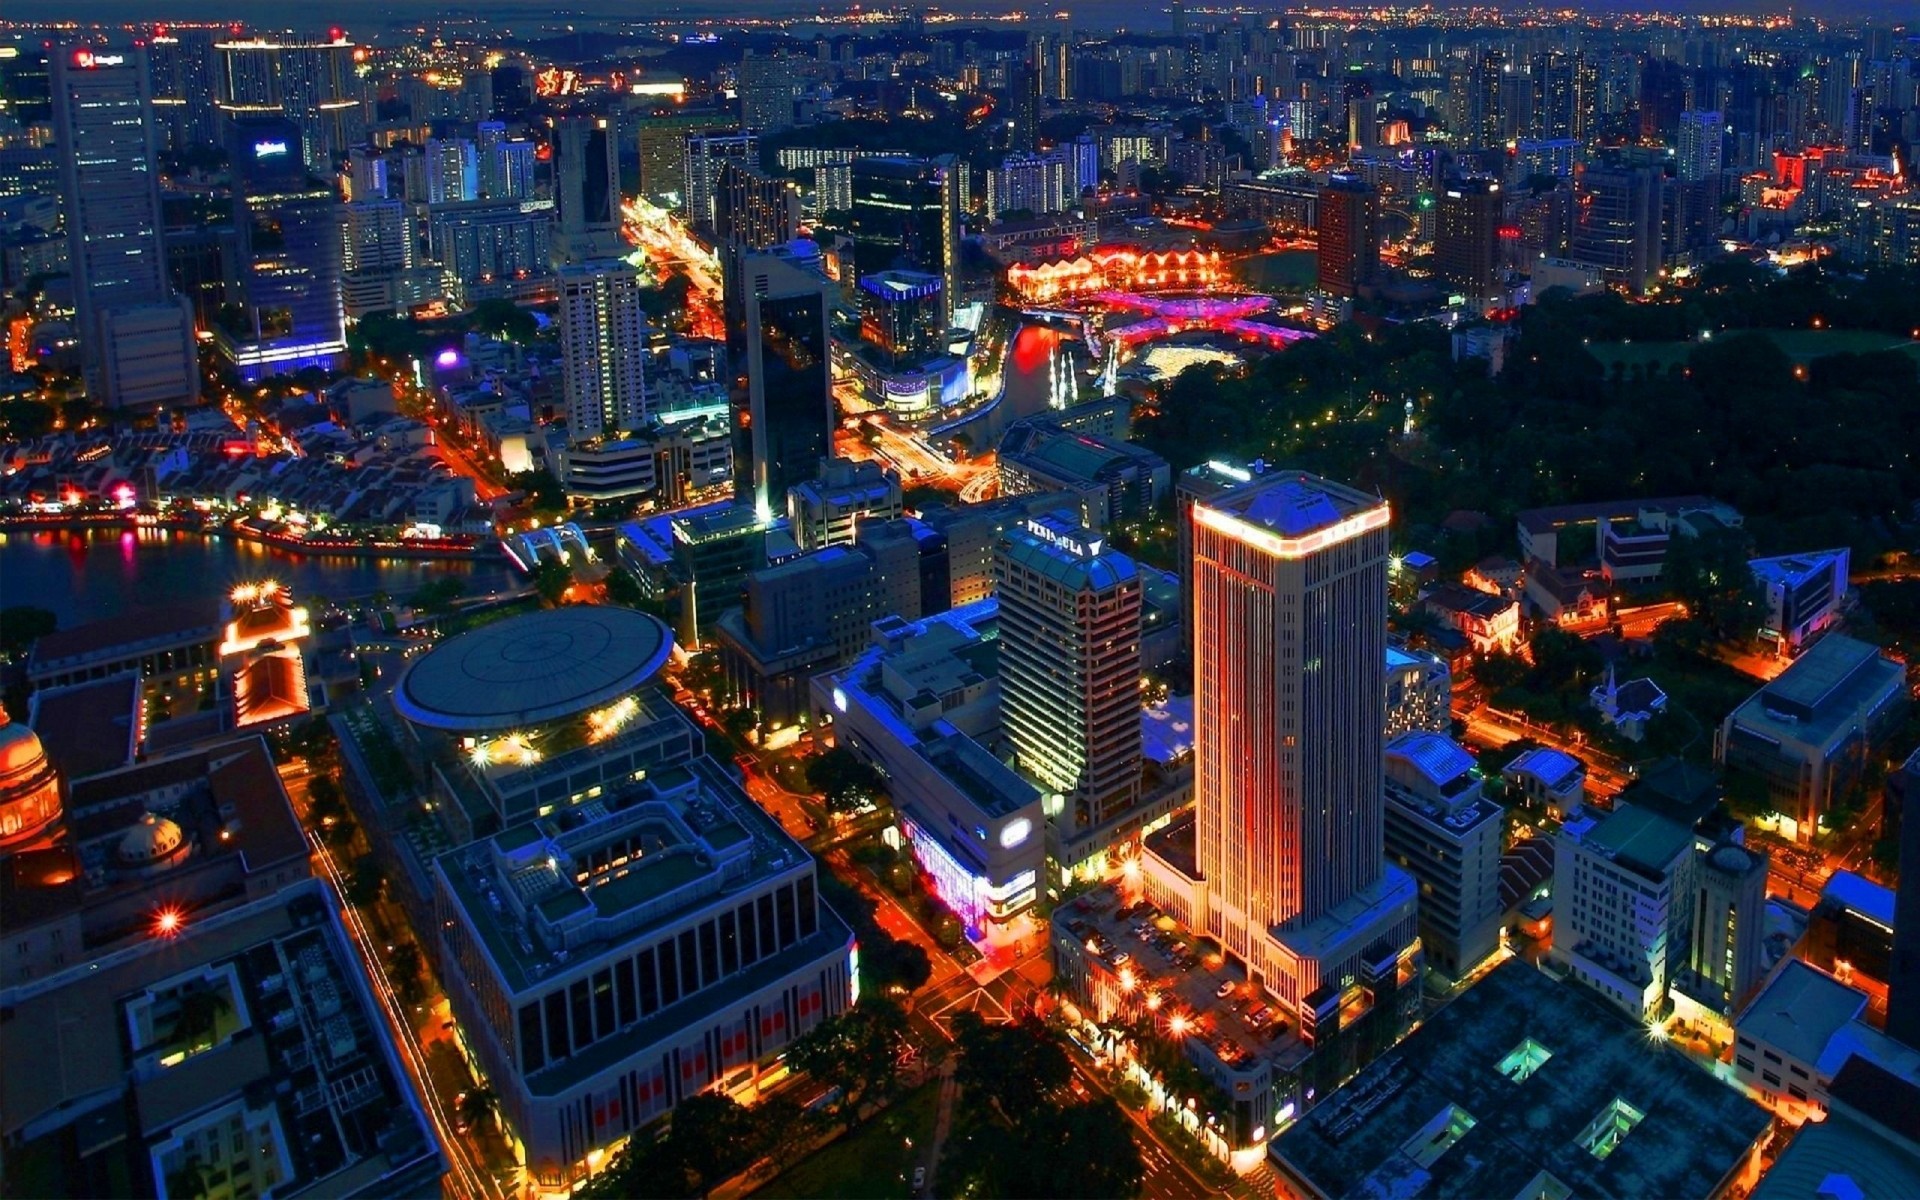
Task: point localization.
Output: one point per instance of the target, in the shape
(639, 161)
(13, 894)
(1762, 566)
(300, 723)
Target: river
(101, 573)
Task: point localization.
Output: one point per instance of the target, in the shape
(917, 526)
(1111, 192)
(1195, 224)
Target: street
(467, 1176)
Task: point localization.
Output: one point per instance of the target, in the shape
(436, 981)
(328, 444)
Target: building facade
(1289, 700)
(136, 338)
(1070, 624)
(603, 333)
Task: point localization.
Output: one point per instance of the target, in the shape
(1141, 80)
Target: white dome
(152, 840)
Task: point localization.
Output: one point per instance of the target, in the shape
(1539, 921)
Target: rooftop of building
(1294, 504)
(1791, 570)
(896, 284)
(1859, 894)
(713, 524)
(1554, 768)
(1844, 1158)
(296, 1039)
(1638, 838)
(1545, 520)
(1059, 550)
(1525, 1086)
(613, 870)
(1677, 789)
(154, 625)
(1472, 602)
(1166, 730)
(652, 537)
(1821, 692)
(528, 669)
(993, 787)
(1440, 760)
(1800, 1010)
(89, 728)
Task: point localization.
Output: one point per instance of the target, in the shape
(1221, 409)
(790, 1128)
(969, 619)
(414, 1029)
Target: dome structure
(150, 842)
(29, 786)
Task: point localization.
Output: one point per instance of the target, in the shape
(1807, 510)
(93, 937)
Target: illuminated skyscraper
(136, 338)
(603, 332)
(705, 154)
(312, 84)
(1290, 613)
(768, 86)
(783, 421)
(906, 213)
(291, 236)
(183, 73)
(1348, 225)
(1070, 676)
(1466, 240)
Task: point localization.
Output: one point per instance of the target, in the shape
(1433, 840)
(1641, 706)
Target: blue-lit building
(1803, 595)
(291, 257)
(923, 706)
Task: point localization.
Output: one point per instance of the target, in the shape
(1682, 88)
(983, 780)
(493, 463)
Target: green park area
(874, 1162)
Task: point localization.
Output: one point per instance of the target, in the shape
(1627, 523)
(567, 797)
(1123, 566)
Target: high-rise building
(603, 331)
(906, 213)
(1070, 610)
(1623, 888)
(489, 241)
(453, 170)
(506, 165)
(586, 152)
(1693, 202)
(1443, 830)
(1466, 237)
(1035, 183)
(1556, 93)
(663, 152)
(313, 84)
(1023, 84)
(785, 426)
(768, 85)
(753, 209)
(1616, 222)
(367, 174)
(1664, 87)
(1701, 141)
(182, 64)
(1290, 628)
(291, 251)
(1348, 223)
(705, 154)
(1492, 99)
(137, 339)
(1725, 959)
(379, 236)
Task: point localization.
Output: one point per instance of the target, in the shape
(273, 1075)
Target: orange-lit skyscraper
(1290, 625)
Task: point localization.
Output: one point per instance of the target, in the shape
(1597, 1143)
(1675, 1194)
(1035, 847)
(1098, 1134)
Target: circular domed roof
(1731, 858)
(20, 749)
(152, 839)
(534, 668)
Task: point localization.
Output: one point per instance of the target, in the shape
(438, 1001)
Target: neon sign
(269, 149)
